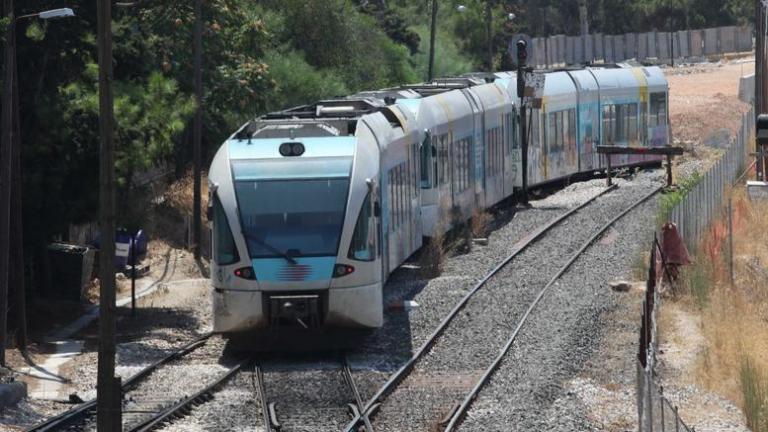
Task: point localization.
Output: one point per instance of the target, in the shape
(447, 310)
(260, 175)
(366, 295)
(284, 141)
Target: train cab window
(658, 109)
(224, 249)
(363, 244)
(426, 162)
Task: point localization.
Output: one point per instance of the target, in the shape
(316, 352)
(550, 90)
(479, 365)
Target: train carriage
(312, 208)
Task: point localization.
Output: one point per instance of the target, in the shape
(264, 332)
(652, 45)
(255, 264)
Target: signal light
(246, 273)
(341, 270)
(522, 52)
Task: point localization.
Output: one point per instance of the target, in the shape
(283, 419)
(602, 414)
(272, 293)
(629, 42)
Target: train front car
(294, 235)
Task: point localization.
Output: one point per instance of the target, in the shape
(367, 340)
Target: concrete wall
(687, 45)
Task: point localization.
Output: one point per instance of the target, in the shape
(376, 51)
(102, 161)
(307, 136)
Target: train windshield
(292, 217)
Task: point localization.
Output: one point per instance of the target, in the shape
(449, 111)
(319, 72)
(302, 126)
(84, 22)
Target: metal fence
(692, 214)
(665, 47)
(655, 413)
(703, 203)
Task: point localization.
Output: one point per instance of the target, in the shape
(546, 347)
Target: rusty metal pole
(109, 415)
(198, 127)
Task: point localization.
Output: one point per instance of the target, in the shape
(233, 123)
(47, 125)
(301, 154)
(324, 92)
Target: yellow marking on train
(642, 84)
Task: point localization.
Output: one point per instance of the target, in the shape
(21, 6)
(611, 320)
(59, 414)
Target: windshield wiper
(270, 248)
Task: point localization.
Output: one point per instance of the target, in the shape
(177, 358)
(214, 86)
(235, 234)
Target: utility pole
(198, 126)
(17, 233)
(432, 33)
(489, 32)
(108, 385)
(6, 164)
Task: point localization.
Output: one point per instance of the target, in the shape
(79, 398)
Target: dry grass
(180, 194)
(432, 258)
(734, 319)
(481, 221)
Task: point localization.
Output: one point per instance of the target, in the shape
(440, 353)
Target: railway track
(446, 408)
(333, 397)
(83, 417)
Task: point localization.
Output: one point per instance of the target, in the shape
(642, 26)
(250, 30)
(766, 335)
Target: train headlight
(341, 270)
(246, 273)
(292, 149)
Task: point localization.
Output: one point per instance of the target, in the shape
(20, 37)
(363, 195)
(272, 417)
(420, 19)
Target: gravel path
(474, 338)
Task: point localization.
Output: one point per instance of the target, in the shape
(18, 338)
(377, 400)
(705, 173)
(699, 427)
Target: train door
(512, 159)
(477, 146)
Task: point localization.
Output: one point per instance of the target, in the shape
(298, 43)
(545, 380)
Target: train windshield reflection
(297, 217)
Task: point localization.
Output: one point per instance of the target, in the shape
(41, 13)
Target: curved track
(453, 415)
(457, 415)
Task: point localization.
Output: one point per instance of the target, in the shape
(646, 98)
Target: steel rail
(181, 407)
(347, 372)
(68, 417)
(461, 411)
(404, 370)
(258, 383)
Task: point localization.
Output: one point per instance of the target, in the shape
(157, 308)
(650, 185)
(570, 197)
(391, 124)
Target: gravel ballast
(531, 389)
(474, 338)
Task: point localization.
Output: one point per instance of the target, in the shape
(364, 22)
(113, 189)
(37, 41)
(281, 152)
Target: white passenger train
(313, 207)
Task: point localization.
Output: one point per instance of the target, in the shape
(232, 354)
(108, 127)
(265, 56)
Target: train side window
(658, 109)
(571, 127)
(224, 248)
(363, 244)
(644, 122)
(562, 122)
(552, 131)
(607, 125)
(632, 130)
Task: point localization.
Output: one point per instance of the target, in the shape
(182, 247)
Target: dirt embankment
(705, 110)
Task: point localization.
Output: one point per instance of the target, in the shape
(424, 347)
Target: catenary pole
(6, 144)
(108, 386)
(198, 126)
(432, 33)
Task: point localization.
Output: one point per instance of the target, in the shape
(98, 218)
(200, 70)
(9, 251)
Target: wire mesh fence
(655, 412)
(703, 202)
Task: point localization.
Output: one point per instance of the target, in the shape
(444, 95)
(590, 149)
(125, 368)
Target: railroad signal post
(522, 59)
